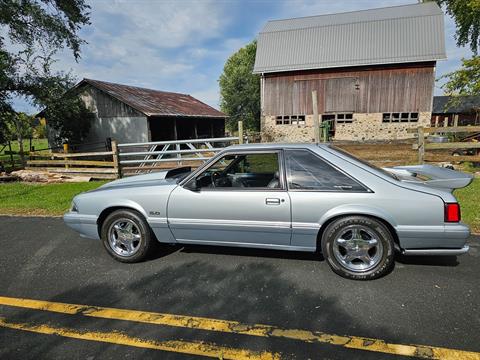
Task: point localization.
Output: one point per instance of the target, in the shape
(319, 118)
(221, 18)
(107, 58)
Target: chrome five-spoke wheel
(124, 237)
(357, 248)
(127, 236)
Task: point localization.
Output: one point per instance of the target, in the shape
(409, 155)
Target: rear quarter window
(307, 171)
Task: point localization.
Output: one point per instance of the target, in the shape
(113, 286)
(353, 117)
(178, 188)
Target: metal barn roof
(154, 102)
(399, 34)
(463, 105)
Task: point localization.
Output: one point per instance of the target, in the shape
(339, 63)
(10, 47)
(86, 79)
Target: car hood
(166, 177)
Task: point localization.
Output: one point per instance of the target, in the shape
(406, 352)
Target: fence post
(436, 121)
(421, 145)
(316, 122)
(116, 158)
(65, 151)
(455, 120)
(240, 132)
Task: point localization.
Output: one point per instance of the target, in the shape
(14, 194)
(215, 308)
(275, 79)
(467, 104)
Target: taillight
(452, 212)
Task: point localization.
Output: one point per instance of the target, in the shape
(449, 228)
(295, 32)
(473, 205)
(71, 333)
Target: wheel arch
(385, 222)
(111, 208)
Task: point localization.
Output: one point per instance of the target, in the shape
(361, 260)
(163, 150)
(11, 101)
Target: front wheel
(126, 236)
(358, 247)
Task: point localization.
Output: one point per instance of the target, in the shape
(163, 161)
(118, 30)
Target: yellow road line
(184, 347)
(226, 326)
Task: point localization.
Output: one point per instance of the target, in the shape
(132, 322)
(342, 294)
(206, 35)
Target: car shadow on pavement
(250, 252)
(428, 260)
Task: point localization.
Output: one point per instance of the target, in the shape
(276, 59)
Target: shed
(134, 114)
(467, 108)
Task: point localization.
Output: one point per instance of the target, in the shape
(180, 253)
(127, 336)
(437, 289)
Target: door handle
(272, 201)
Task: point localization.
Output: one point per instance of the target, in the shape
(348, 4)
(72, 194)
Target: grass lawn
(469, 199)
(40, 199)
(54, 199)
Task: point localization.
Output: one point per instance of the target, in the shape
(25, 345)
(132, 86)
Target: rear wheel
(358, 247)
(126, 236)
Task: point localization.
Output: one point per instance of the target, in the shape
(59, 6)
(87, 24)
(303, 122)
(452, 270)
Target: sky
(182, 45)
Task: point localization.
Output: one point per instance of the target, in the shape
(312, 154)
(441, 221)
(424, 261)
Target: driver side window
(242, 171)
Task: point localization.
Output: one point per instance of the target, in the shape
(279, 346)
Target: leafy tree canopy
(240, 89)
(466, 14)
(32, 32)
(466, 80)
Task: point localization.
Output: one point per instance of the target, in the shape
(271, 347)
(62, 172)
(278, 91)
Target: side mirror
(193, 185)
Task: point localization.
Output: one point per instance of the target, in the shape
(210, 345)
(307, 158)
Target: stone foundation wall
(364, 127)
(271, 132)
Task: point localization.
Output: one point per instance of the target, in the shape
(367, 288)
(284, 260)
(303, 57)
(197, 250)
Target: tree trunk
(20, 146)
(18, 125)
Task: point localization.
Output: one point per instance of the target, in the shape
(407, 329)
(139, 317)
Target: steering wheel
(213, 176)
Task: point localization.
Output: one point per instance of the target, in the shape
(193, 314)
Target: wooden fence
(97, 165)
(131, 158)
(423, 145)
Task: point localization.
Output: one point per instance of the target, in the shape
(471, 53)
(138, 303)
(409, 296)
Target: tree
(20, 127)
(466, 80)
(466, 14)
(33, 32)
(69, 118)
(240, 89)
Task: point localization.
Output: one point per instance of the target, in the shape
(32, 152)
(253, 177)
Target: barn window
(400, 117)
(340, 118)
(344, 118)
(290, 120)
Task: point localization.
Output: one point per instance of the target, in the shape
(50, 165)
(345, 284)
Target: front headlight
(73, 207)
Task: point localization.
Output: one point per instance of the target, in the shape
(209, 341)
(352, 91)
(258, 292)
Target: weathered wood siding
(105, 105)
(405, 88)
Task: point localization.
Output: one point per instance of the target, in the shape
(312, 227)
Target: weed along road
(63, 297)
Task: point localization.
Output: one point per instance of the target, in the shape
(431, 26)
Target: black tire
(385, 261)
(146, 243)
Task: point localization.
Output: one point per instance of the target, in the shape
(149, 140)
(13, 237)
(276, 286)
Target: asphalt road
(427, 301)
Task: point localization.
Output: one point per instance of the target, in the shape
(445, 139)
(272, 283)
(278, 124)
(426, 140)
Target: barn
(462, 110)
(133, 114)
(373, 70)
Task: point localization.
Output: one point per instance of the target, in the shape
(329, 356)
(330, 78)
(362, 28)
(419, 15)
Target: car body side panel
(150, 201)
(230, 216)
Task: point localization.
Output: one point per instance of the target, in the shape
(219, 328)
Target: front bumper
(85, 225)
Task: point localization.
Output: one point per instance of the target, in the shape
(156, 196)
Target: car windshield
(366, 163)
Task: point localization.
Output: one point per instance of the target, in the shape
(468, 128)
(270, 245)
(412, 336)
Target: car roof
(268, 146)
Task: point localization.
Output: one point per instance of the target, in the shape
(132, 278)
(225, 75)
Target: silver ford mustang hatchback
(299, 197)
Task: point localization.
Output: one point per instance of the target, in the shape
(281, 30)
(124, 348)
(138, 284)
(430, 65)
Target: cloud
(182, 45)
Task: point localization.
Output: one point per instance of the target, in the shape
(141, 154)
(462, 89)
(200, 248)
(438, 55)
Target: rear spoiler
(432, 176)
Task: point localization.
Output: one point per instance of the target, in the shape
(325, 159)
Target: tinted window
(307, 171)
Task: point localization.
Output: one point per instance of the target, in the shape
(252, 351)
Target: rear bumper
(437, 252)
(85, 225)
(448, 239)
(447, 236)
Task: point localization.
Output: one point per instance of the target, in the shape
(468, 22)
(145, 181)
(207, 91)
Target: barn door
(340, 95)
